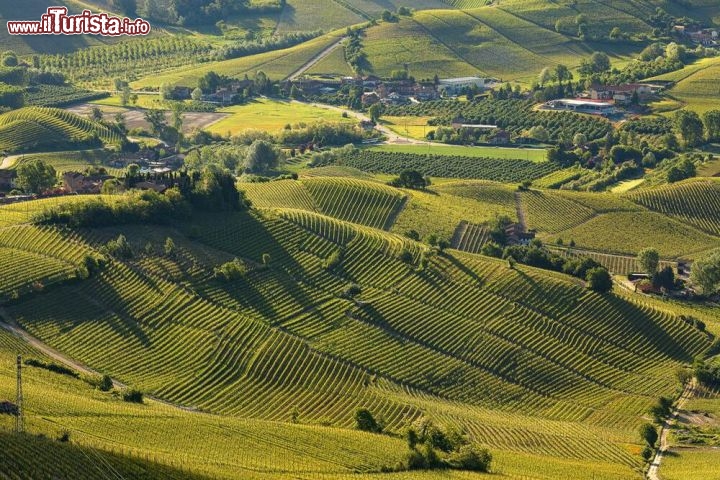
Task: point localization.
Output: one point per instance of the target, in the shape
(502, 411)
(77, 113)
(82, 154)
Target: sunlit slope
(529, 361)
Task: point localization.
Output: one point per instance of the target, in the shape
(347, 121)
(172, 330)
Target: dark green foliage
(324, 134)
(706, 373)
(649, 434)
(106, 383)
(706, 272)
(119, 248)
(133, 396)
(682, 170)
(11, 97)
(36, 176)
(261, 157)
(665, 278)
(501, 170)
(405, 256)
(365, 421)
(689, 126)
(333, 260)
(137, 207)
(599, 280)
(662, 409)
(646, 453)
(231, 271)
(470, 457)
(53, 367)
(410, 179)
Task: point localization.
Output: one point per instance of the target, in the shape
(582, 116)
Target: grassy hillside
(534, 366)
(696, 87)
(39, 128)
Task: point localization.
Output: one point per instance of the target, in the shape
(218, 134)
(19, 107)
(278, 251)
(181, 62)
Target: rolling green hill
(40, 128)
(531, 364)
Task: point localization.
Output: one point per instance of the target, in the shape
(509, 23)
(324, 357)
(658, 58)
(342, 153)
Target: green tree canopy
(706, 272)
(649, 260)
(36, 176)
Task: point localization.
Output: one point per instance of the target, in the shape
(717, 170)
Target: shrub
(599, 280)
(333, 260)
(231, 271)
(470, 457)
(365, 421)
(53, 367)
(133, 396)
(405, 256)
(119, 248)
(649, 434)
(646, 453)
(64, 436)
(106, 383)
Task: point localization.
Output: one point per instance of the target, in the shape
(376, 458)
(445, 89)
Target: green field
(273, 115)
(690, 464)
(75, 160)
(531, 154)
(277, 64)
(437, 341)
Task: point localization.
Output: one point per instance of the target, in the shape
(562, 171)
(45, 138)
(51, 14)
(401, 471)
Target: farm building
(454, 86)
(582, 106)
(621, 93)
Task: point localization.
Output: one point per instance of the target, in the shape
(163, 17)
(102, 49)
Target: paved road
(317, 58)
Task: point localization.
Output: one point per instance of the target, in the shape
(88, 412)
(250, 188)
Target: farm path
(316, 59)
(652, 473)
(9, 324)
(520, 211)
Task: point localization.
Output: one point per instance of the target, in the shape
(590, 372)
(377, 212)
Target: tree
(665, 278)
(706, 272)
(166, 91)
(580, 139)
(689, 126)
(545, 76)
(599, 280)
(106, 383)
(649, 260)
(365, 421)
(261, 157)
(96, 114)
(539, 133)
(562, 73)
(156, 119)
(196, 94)
(711, 119)
(375, 111)
(615, 33)
(36, 176)
(599, 62)
(471, 457)
(125, 93)
(411, 179)
(649, 434)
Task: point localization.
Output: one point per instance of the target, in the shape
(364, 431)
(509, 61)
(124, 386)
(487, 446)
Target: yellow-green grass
(276, 64)
(144, 101)
(627, 185)
(694, 201)
(77, 160)
(710, 169)
(440, 210)
(690, 464)
(413, 127)
(213, 446)
(332, 64)
(555, 179)
(697, 86)
(532, 364)
(483, 41)
(630, 232)
(272, 115)
(531, 154)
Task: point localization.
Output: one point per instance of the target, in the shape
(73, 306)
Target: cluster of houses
(606, 100)
(707, 37)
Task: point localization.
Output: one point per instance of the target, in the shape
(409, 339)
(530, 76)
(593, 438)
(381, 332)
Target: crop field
(690, 464)
(447, 166)
(366, 203)
(412, 127)
(696, 202)
(33, 128)
(59, 95)
(557, 178)
(629, 232)
(272, 115)
(533, 365)
(135, 117)
(512, 115)
(74, 160)
(529, 154)
(616, 264)
(276, 64)
(696, 86)
(483, 41)
(22, 212)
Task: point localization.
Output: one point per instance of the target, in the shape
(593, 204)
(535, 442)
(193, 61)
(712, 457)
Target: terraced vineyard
(470, 237)
(501, 170)
(617, 264)
(34, 128)
(358, 201)
(696, 202)
(530, 363)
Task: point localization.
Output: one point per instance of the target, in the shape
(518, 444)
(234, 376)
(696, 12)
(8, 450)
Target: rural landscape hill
(362, 240)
